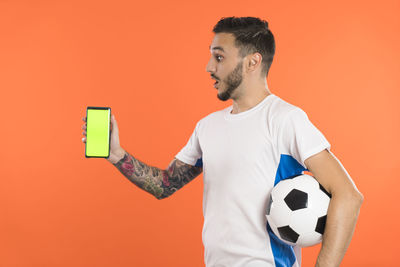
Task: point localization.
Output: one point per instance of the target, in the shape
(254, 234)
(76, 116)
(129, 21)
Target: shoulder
(279, 113)
(280, 110)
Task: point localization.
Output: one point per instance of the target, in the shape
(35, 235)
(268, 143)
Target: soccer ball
(297, 210)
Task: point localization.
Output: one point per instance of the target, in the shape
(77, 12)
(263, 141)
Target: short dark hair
(251, 35)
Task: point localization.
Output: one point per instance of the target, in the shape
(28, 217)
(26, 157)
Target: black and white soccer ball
(297, 210)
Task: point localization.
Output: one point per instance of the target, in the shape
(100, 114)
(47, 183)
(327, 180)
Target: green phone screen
(98, 132)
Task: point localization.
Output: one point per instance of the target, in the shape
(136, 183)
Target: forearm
(341, 221)
(151, 179)
(160, 183)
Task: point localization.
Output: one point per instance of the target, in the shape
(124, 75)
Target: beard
(233, 81)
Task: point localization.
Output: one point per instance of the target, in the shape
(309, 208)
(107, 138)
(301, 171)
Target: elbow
(356, 198)
(360, 197)
(159, 197)
(353, 197)
(162, 196)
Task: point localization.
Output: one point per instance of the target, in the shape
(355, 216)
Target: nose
(210, 66)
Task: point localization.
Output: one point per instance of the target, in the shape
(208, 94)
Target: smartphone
(98, 132)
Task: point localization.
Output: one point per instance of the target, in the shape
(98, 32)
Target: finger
(84, 139)
(112, 121)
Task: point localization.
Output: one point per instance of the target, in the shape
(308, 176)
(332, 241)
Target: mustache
(212, 76)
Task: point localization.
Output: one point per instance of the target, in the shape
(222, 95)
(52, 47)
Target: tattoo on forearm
(160, 183)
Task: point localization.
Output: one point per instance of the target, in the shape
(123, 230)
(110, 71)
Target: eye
(218, 57)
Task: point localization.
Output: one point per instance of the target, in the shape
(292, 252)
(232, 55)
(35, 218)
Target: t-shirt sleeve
(299, 137)
(191, 153)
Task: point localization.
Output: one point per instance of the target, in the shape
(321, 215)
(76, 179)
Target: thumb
(114, 123)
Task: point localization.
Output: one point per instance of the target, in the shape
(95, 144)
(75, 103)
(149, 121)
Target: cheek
(224, 77)
(221, 75)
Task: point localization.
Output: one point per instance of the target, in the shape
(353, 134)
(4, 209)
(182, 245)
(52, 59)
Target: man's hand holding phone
(116, 151)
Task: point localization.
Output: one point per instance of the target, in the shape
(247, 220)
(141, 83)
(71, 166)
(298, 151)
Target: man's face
(225, 65)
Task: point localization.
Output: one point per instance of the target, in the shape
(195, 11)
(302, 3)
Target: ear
(254, 61)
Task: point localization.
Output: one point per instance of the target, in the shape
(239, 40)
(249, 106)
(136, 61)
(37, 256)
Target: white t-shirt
(243, 156)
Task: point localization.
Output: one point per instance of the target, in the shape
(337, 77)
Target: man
(241, 148)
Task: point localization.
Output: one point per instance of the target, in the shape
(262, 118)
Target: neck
(252, 97)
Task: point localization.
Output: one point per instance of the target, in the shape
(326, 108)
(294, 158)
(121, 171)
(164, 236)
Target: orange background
(338, 61)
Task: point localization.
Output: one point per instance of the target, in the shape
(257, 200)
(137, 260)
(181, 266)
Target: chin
(223, 97)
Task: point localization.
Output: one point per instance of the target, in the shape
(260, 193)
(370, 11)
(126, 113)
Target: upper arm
(330, 173)
(177, 175)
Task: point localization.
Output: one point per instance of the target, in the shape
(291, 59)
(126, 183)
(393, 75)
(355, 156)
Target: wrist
(116, 156)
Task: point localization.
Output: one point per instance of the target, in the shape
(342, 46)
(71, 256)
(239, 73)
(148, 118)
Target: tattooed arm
(160, 183)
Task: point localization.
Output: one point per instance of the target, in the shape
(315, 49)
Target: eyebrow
(217, 48)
